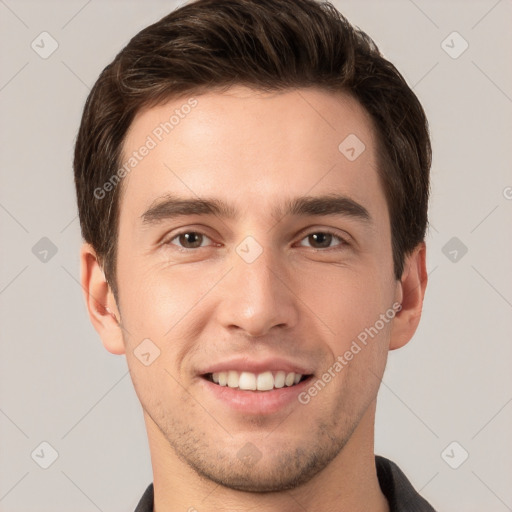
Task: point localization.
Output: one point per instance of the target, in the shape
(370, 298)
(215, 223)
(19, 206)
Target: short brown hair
(268, 45)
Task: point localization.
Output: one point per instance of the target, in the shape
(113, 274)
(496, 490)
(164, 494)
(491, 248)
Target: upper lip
(243, 364)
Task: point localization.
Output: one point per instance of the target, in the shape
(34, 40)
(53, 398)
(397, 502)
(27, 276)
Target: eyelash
(324, 232)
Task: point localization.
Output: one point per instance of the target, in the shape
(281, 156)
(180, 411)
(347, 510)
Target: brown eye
(189, 239)
(323, 240)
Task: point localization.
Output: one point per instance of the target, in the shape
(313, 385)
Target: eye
(188, 239)
(323, 239)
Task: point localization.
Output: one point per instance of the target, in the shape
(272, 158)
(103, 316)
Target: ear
(100, 301)
(410, 293)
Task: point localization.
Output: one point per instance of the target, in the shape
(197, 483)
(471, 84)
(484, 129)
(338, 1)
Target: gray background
(451, 383)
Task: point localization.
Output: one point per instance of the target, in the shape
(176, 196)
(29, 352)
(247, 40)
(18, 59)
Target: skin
(253, 150)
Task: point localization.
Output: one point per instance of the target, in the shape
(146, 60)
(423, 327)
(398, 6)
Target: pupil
(324, 236)
(189, 239)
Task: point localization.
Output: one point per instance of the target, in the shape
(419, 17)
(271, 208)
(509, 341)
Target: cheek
(345, 300)
(163, 303)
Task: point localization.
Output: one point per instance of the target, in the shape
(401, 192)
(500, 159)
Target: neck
(348, 483)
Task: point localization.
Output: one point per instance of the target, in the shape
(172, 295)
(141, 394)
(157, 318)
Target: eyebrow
(170, 206)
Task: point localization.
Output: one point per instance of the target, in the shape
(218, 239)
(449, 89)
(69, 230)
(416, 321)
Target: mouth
(256, 382)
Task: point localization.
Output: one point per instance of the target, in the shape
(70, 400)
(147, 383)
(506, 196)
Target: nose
(258, 296)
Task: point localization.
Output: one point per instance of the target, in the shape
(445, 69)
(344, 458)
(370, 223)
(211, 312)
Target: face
(281, 274)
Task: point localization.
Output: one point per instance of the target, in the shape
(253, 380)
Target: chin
(284, 470)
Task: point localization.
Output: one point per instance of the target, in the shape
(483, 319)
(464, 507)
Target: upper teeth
(251, 381)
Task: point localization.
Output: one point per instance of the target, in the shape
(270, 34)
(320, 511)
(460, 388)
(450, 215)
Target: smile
(248, 381)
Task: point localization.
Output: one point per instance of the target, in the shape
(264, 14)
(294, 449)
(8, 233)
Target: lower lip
(256, 402)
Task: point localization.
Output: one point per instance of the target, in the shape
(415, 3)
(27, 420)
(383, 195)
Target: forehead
(255, 147)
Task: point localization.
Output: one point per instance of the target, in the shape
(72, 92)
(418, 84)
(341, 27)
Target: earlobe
(410, 293)
(100, 302)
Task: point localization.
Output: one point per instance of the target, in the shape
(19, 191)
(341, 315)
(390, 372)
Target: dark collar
(401, 495)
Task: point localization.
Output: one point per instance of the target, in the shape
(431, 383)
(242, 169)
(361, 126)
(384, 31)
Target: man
(252, 181)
